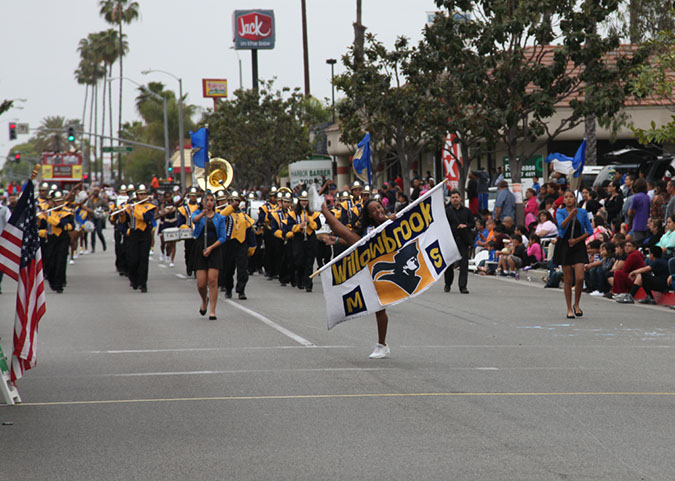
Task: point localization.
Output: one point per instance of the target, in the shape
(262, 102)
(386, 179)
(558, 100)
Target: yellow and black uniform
(120, 222)
(140, 240)
(43, 204)
(272, 246)
(241, 244)
(304, 245)
(281, 234)
(185, 222)
(59, 223)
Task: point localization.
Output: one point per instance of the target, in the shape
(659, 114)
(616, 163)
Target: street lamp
(332, 62)
(166, 122)
(18, 100)
(238, 58)
(181, 138)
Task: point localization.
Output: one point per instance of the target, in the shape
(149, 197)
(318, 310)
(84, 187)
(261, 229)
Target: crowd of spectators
(632, 246)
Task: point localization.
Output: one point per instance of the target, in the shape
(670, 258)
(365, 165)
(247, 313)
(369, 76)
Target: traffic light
(16, 157)
(71, 134)
(170, 169)
(12, 131)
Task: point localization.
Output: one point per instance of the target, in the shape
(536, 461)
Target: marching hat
(44, 186)
(193, 191)
(57, 196)
(273, 191)
(123, 188)
(304, 195)
(366, 190)
(130, 188)
(344, 195)
(54, 187)
(235, 195)
(141, 189)
(377, 197)
(356, 185)
(287, 197)
(251, 196)
(221, 195)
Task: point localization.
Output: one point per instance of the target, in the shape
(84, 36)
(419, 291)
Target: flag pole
(378, 230)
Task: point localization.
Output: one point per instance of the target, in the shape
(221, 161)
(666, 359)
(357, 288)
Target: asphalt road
(494, 385)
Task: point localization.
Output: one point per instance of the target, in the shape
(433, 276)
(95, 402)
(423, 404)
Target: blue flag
(361, 158)
(200, 147)
(569, 165)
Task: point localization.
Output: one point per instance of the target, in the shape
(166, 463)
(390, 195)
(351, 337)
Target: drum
(171, 234)
(89, 226)
(186, 233)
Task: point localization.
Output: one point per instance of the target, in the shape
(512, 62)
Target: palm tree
(117, 12)
(46, 140)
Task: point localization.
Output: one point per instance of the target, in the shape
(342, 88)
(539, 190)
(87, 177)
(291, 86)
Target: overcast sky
(189, 39)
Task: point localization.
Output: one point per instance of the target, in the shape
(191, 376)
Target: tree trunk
(516, 166)
(84, 108)
(463, 168)
(591, 140)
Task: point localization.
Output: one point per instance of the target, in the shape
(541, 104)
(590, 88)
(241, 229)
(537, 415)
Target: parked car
(589, 173)
(639, 162)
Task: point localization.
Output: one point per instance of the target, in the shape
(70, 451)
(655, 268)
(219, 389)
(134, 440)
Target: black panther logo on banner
(403, 271)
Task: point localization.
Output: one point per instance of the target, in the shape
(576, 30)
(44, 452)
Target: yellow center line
(347, 396)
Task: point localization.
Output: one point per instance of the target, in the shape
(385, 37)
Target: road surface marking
(272, 324)
(348, 396)
(181, 276)
(202, 349)
(243, 371)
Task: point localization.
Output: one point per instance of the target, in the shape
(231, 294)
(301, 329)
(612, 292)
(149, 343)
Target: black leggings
(98, 223)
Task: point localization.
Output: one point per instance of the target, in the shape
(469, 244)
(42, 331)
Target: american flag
(21, 259)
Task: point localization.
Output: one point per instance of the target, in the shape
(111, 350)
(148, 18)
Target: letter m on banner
(452, 160)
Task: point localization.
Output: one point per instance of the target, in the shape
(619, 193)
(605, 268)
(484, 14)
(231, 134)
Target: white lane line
(206, 349)
(241, 371)
(181, 276)
(162, 265)
(272, 324)
(487, 368)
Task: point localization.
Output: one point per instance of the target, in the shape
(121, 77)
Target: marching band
(223, 233)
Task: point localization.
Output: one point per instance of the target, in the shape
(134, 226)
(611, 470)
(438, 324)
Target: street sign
(22, 129)
(117, 148)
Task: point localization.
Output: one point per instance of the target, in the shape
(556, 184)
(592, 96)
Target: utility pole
(305, 51)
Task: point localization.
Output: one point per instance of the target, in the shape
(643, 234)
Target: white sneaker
(71, 262)
(75, 256)
(151, 252)
(161, 258)
(380, 351)
(170, 264)
(596, 294)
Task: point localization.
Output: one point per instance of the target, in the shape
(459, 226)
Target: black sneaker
(144, 289)
(242, 296)
(228, 294)
(647, 300)
(463, 290)
(446, 288)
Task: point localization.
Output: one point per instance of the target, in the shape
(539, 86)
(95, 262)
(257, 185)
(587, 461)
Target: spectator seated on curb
(509, 225)
(622, 283)
(546, 227)
(654, 233)
(535, 253)
(500, 236)
(488, 266)
(594, 259)
(598, 271)
(521, 230)
(651, 277)
(599, 229)
(513, 258)
(484, 234)
(667, 240)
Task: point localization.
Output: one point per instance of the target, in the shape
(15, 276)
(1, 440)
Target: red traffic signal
(12, 131)
(17, 157)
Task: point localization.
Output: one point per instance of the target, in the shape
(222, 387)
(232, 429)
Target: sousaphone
(219, 177)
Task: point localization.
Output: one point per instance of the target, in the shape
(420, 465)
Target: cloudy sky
(189, 39)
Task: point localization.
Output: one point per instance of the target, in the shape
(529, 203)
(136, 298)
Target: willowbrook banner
(398, 260)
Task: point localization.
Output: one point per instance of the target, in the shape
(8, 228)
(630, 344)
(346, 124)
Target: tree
(655, 80)
(528, 61)
(5, 105)
(377, 100)
(117, 12)
(260, 132)
(51, 135)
